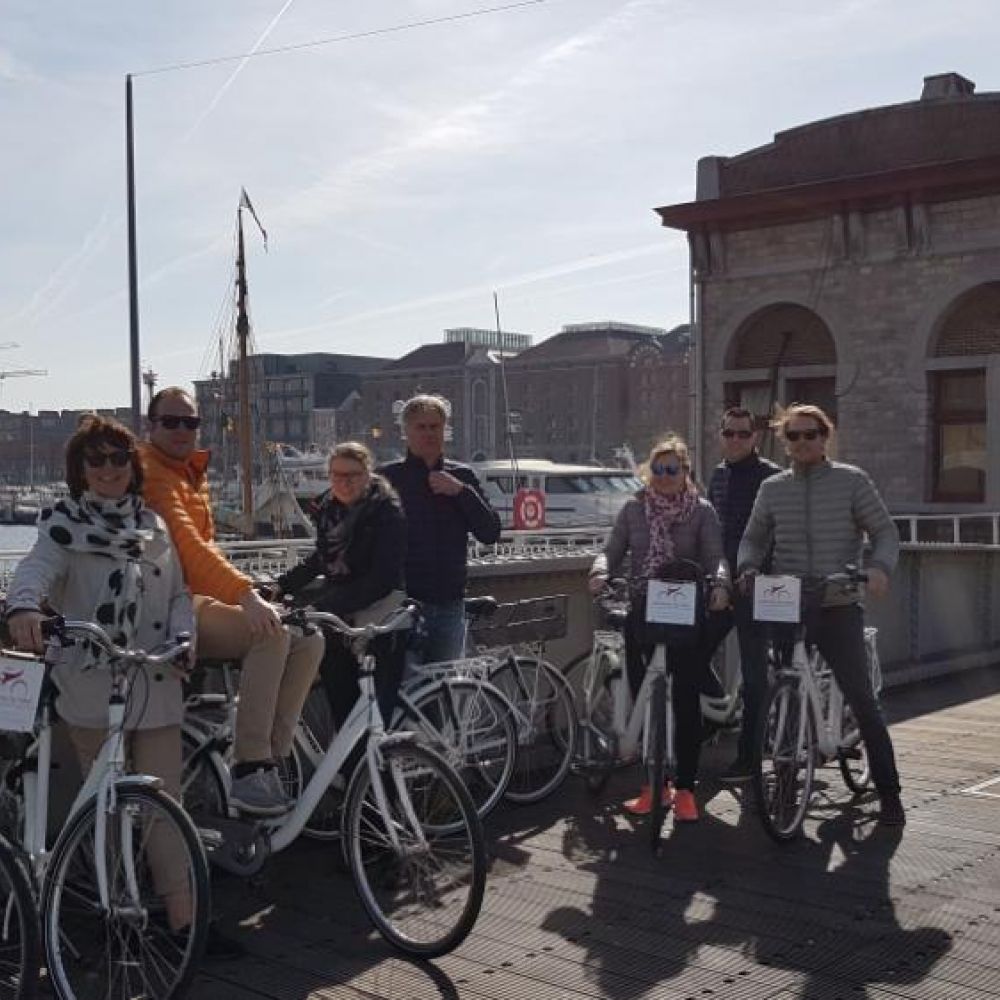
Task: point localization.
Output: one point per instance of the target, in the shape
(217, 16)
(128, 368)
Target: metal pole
(133, 269)
(243, 334)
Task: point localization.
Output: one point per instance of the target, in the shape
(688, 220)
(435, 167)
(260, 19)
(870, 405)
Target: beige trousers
(156, 752)
(277, 672)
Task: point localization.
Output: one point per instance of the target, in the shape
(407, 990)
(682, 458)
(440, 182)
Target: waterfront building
(854, 262)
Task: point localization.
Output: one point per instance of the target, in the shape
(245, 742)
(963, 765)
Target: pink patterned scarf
(663, 511)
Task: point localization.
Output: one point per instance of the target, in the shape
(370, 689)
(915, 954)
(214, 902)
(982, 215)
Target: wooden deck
(576, 906)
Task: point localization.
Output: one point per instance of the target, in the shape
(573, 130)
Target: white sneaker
(259, 793)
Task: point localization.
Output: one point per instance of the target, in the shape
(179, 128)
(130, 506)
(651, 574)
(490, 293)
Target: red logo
(529, 510)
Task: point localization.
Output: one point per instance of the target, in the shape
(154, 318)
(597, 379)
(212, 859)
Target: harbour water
(17, 537)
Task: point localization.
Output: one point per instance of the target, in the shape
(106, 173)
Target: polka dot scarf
(118, 530)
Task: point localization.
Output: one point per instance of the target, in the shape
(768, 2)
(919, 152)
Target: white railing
(937, 530)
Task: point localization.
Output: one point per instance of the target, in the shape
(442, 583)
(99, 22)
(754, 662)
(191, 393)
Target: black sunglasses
(659, 469)
(172, 423)
(98, 459)
(808, 435)
(742, 435)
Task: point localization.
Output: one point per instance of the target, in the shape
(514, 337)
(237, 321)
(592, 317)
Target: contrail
(235, 73)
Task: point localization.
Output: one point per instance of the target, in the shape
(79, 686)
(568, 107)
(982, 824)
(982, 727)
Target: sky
(402, 176)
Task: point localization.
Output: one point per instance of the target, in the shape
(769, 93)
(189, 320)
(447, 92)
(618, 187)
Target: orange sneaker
(642, 805)
(685, 807)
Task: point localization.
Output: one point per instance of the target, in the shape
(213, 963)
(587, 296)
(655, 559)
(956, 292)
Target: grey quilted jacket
(816, 517)
(698, 539)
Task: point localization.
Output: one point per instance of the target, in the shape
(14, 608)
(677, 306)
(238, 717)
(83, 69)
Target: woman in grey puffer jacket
(667, 521)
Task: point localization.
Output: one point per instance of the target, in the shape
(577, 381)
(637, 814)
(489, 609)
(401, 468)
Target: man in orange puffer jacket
(233, 620)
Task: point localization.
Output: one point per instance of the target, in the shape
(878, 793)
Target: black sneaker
(892, 812)
(738, 773)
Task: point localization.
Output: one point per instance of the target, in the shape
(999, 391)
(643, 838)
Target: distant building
(287, 393)
(582, 394)
(465, 370)
(855, 263)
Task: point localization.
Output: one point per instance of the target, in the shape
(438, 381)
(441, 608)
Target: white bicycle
(127, 866)
(409, 829)
(805, 723)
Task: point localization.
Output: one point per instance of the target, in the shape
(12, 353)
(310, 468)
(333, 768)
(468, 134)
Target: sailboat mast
(242, 336)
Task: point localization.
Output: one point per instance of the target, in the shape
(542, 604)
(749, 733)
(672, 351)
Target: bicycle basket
(534, 619)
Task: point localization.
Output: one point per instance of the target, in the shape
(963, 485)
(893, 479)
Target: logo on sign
(13, 685)
(529, 510)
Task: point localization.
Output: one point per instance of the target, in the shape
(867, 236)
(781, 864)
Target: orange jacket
(178, 491)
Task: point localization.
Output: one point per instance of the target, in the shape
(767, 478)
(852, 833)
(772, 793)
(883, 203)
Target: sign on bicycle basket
(20, 687)
(671, 603)
(777, 598)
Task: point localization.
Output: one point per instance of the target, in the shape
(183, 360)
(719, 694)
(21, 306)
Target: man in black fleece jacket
(732, 491)
(443, 502)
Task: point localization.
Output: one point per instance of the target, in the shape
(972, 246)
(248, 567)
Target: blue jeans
(444, 629)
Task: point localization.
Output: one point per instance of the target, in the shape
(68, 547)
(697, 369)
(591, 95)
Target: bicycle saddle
(480, 607)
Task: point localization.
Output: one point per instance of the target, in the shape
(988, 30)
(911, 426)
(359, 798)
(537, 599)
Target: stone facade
(855, 263)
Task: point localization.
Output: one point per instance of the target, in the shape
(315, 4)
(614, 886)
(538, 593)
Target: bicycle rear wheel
(20, 951)
(656, 761)
(150, 939)
(420, 871)
(545, 720)
(785, 761)
(472, 725)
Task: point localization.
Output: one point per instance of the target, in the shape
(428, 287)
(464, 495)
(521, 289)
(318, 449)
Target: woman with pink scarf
(668, 520)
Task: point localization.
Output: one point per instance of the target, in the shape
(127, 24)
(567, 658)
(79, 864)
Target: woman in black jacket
(360, 550)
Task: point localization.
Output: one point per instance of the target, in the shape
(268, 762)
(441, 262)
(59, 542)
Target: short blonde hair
(355, 451)
(424, 404)
(785, 416)
(672, 443)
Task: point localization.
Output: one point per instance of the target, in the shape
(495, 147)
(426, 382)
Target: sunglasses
(171, 423)
(98, 459)
(658, 469)
(742, 435)
(808, 435)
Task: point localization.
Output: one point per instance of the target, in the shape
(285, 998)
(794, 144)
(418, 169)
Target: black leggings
(339, 672)
(687, 664)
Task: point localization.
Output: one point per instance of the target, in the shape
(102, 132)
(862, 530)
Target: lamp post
(133, 267)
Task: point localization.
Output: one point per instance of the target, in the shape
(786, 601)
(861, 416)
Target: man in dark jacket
(443, 502)
(732, 491)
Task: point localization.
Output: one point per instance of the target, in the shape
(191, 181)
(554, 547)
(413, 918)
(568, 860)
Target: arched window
(958, 391)
(783, 353)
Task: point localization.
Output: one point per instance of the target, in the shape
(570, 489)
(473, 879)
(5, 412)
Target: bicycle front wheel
(472, 725)
(785, 761)
(545, 720)
(656, 763)
(852, 756)
(20, 952)
(149, 939)
(420, 865)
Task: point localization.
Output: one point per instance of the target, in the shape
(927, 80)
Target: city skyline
(403, 177)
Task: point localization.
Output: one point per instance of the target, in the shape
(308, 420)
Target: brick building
(855, 262)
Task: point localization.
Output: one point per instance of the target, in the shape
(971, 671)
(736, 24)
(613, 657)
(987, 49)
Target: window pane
(961, 471)
(560, 484)
(960, 393)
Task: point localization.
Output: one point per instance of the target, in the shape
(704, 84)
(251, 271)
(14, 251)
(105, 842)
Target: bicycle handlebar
(396, 621)
(61, 629)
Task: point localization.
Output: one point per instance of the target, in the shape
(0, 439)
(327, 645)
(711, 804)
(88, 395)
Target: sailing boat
(254, 498)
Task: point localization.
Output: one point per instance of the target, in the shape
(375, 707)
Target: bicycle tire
(20, 947)
(784, 761)
(472, 726)
(594, 740)
(545, 720)
(856, 771)
(431, 919)
(656, 764)
(88, 948)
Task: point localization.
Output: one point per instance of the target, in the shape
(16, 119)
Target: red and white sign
(529, 510)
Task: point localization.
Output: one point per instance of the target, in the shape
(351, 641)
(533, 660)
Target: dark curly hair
(92, 431)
